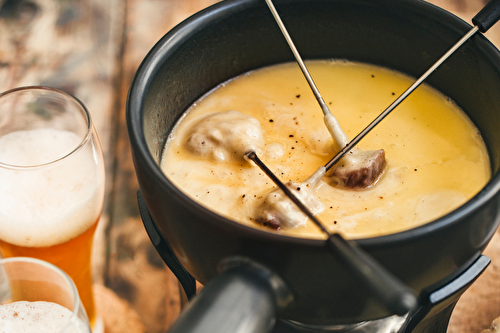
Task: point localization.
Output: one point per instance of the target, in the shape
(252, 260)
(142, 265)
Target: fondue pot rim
(142, 79)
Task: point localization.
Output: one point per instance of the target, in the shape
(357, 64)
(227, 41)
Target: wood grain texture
(135, 271)
(92, 48)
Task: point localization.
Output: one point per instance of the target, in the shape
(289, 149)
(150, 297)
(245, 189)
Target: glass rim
(82, 143)
(77, 306)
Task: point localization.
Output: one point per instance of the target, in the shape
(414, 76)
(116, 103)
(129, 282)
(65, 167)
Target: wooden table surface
(92, 48)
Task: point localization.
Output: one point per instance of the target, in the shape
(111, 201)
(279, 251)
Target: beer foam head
(28, 148)
(47, 205)
(39, 317)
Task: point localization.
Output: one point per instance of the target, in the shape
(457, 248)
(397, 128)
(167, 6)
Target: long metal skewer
(486, 18)
(398, 100)
(253, 156)
(296, 53)
(333, 125)
(397, 297)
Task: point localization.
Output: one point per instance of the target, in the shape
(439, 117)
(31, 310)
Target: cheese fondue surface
(436, 159)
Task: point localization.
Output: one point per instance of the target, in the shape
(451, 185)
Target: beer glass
(52, 182)
(36, 296)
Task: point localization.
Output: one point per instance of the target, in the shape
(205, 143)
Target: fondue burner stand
(431, 315)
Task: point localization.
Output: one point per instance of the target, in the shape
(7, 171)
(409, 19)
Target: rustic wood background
(91, 48)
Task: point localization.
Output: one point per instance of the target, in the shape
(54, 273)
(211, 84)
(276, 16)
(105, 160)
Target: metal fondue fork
(397, 297)
(483, 20)
(331, 122)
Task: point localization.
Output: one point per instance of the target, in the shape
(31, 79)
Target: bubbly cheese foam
(436, 159)
(46, 205)
(39, 317)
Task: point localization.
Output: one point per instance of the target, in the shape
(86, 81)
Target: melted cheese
(436, 159)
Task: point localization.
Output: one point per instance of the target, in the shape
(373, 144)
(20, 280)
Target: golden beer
(52, 176)
(73, 257)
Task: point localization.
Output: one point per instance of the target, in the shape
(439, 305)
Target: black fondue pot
(291, 278)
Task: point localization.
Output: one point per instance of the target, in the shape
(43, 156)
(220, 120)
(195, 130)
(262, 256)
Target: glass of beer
(52, 176)
(36, 296)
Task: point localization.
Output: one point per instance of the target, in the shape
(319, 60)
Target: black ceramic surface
(236, 36)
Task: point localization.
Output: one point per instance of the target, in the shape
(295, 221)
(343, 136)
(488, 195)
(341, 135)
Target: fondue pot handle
(436, 306)
(242, 299)
(187, 281)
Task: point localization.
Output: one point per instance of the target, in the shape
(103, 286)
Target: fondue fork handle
(398, 298)
(390, 291)
(487, 16)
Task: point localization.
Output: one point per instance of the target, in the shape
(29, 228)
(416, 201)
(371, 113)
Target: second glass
(52, 176)
(36, 296)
